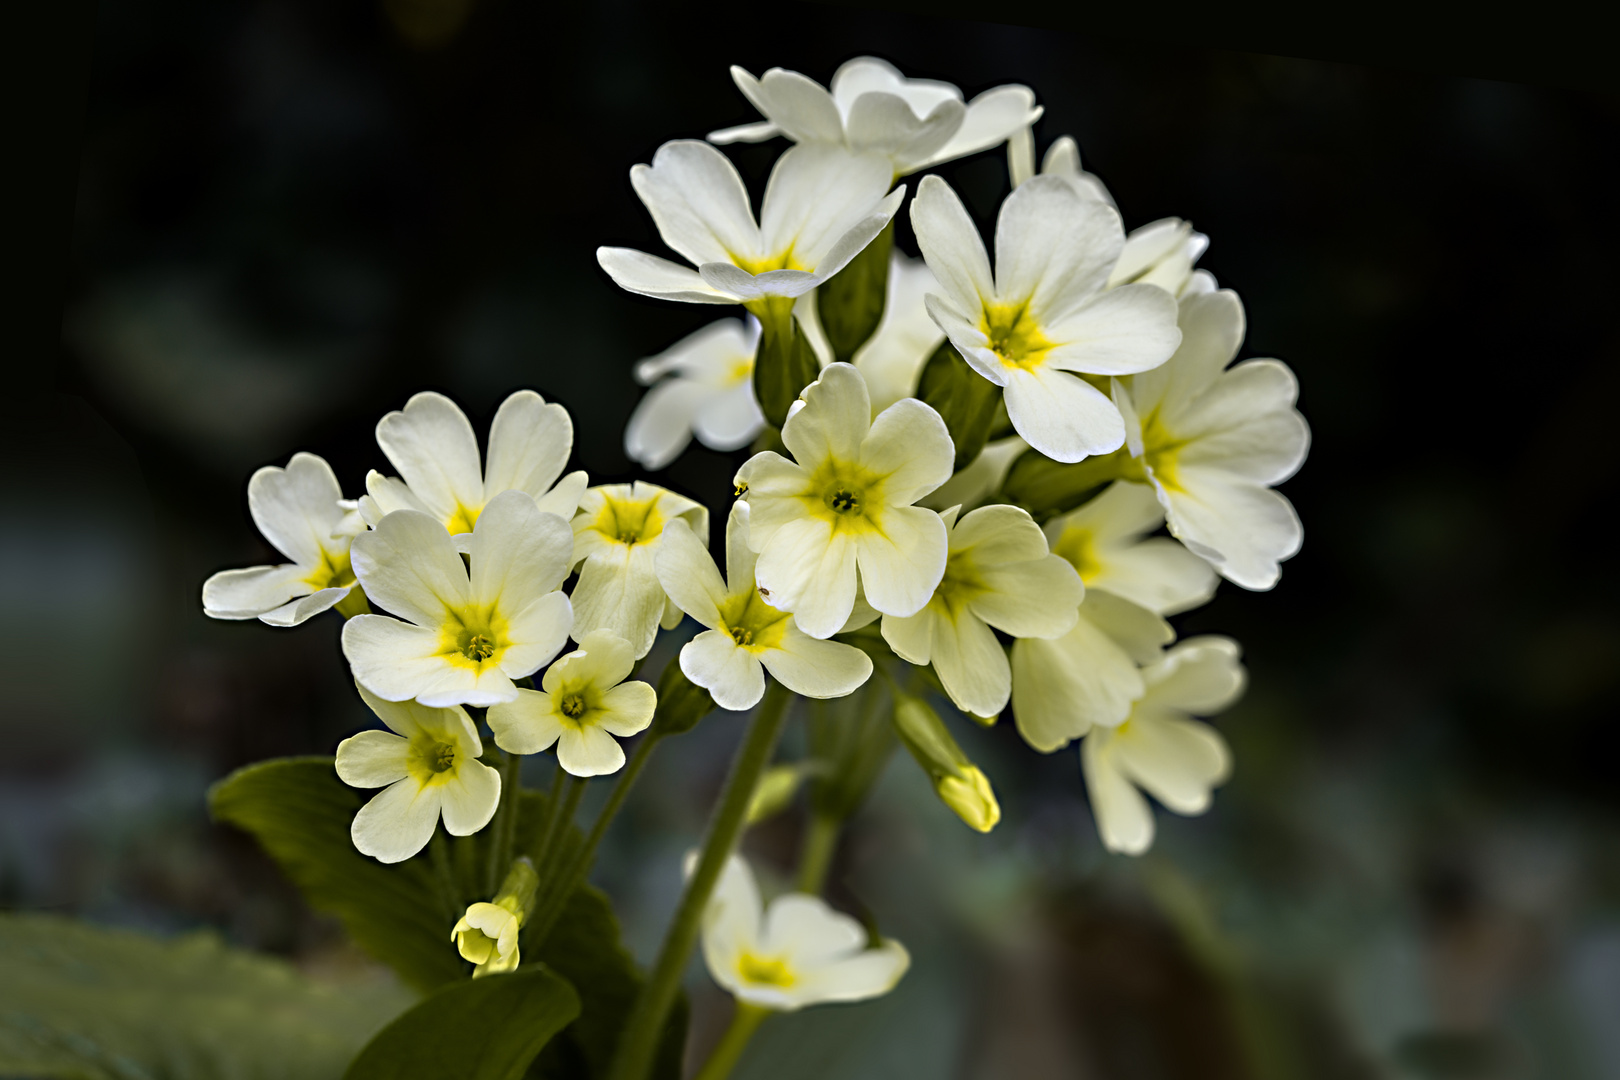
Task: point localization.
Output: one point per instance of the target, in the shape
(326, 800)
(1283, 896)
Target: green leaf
(300, 812)
(965, 400)
(83, 1001)
(1047, 488)
(850, 304)
(785, 362)
(480, 1029)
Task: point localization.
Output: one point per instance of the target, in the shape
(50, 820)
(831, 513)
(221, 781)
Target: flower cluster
(960, 470)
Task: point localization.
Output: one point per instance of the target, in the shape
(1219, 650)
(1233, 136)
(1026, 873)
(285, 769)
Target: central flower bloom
(1014, 335)
(765, 971)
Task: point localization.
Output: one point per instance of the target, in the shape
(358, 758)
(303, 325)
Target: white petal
(529, 443)
(1243, 529)
(892, 359)
(999, 534)
(396, 823)
(1038, 598)
(527, 724)
(628, 709)
(730, 419)
(249, 593)
(901, 568)
(518, 553)
(797, 105)
(536, 633)
(307, 608)
(910, 445)
(775, 487)
(1177, 761)
(296, 508)
(1054, 249)
(707, 356)
(750, 133)
(824, 204)
(836, 417)
(912, 636)
(1142, 634)
(469, 801)
(563, 499)
(698, 202)
(409, 566)
(814, 668)
(1245, 423)
(1062, 688)
(618, 590)
(990, 119)
(589, 751)
(1125, 330)
(397, 661)
(971, 665)
(1201, 675)
(373, 759)
(688, 574)
(731, 920)
(1158, 574)
(808, 932)
(730, 673)
(1124, 819)
(865, 975)
(740, 558)
(888, 124)
(648, 275)
(1212, 326)
(1062, 416)
(951, 245)
(433, 447)
(809, 570)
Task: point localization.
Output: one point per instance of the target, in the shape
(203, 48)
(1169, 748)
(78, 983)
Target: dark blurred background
(291, 215)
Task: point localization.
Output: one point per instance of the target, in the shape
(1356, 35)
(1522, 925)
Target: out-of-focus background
(292, 215)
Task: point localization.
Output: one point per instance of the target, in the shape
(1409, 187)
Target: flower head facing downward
(998, 573)
(301, 510)
(701, 386)
(793, 953)
(461, 637)
(747, 636)
(1211, 440)
(617, 535)
(582, 705)
(844, 505)
(433, 446)
(914, 123)
(487, 934)
(823, 205)
(1045, 315)
(427, 763)
(1160, 749)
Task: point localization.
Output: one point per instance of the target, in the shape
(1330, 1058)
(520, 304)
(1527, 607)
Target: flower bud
(958, 782)
(775, 791)
(970, 796)
(487, 935)
(681, 703)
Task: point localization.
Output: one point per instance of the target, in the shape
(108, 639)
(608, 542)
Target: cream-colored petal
(618, 590)
(1038, 598)
(818, 195)
(1201, 675)
(867, 974)
(1176, 760)
(810, 570)
(951, 245)
(698, 201)
(806, 930)
(797, 105)
(306, 608)
(814, 668)
(999, 534)
(518, 553)
(563, 499)
(1054, 249)
(740, 558)
(836, 417)
(529, 444)
(249, 593)
(627, 709)
(589, 751)
(394, 660)
(912, 636)
(373, 759)
(1062, 416)
(409, 567)
(536, 633)
(1243, 529)
(1064, 687)
(1142, 634)
(528, 724)
(910, 445)
(648, 275)
(775, 487)
(296, 508)
(433, 446)
(902, 566)
(971, 665)
(688, 574)
(469, 801)
(991, 118)
(1124, 819)
(1212, 326)
(1125, 330)
(397, 823)
(730, 673)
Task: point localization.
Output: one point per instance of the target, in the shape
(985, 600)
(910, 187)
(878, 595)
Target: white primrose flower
(822, 206)
(892, 359)
(1160, 749)
(434, 448)
(1106, 540)
(1062, 161)
(1046, 314)
(915, 123)
(702, 385)
(617, 534)
(1211, 440)
(582, 703)
(745, 635)
(998, 573)
(796, 952)
(844, 505)
(428, 767)
(487, 935)
(301, 510)
(464, 637)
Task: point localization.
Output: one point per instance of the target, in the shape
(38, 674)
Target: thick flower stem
(641, 1035)
(744, 1022)
(551, 908)
(439, 856)
(815, 857)
(564, 803)
(504, 834)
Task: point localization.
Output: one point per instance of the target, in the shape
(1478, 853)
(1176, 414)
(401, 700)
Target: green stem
(815, 857)
(439, 856)
(551, 908)
(641, 1034)
(504, 834)
(744, 1022)
(562, 816)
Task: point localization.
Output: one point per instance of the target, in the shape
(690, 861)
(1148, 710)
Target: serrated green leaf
(964, 399)
(850, 303)
(88, 1002)
(480, 1029)
(1047, 488)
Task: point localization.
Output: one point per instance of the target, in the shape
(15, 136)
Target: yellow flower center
(430, 760)
(752, 623)
(844, 502)
(473, 638)
(961, 583)
(478, 647)
(742, 635)
(765, 971)
(463, 520)
(573, 706)
(1161, 451)
(846, 495)
(1014, 335)
(630, 521)
(334, 572)
(742, 368)
(1079, 546)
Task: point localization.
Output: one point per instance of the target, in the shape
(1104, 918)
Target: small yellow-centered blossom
(702, 386)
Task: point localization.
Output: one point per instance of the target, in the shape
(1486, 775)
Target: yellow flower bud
(487, 935)
(958, 782)
(970, 796)
(775, 790)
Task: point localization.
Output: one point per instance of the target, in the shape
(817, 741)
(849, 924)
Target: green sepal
(850, 303)
(681, 703)
(964, 399)
(1047, 488)
(78, 1000)
(481, 1029)
(785, 363)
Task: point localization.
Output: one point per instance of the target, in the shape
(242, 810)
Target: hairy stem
(744, 1022)
(640, 1039)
